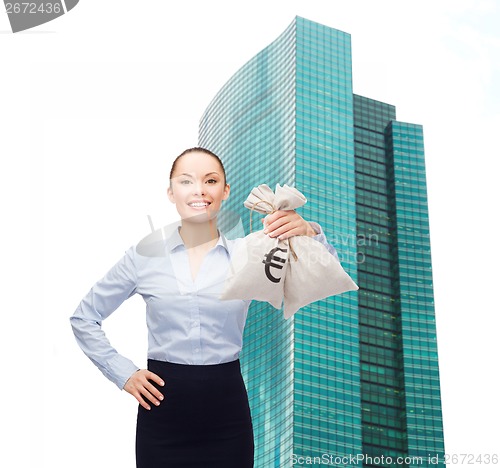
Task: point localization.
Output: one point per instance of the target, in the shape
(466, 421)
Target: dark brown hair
(200, 150)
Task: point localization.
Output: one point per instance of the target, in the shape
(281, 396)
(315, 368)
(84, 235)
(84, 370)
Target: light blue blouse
(187, 322)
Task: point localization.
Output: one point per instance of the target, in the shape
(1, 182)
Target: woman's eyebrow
(191, 175)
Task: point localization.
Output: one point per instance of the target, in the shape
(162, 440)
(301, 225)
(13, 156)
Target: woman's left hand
(287, 223)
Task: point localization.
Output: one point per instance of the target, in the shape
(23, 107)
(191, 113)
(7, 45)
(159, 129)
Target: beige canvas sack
(298, 270)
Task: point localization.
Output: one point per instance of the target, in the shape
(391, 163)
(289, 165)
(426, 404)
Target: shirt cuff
(320, 237)
(120, 369)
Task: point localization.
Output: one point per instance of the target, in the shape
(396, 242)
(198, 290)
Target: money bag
(298, 270)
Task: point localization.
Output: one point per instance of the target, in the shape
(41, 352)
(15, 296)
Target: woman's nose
(198, 188)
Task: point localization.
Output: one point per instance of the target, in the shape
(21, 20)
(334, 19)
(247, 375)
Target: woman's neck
(197, 234)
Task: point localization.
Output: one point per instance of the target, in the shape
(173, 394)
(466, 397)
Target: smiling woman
(193, 404)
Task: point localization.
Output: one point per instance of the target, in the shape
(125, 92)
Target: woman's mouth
(199, 205)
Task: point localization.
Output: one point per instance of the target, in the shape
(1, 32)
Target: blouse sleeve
(104, 297)
(320, 237)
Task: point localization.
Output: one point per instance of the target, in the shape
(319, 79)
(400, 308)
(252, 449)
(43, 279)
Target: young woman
(193, 405)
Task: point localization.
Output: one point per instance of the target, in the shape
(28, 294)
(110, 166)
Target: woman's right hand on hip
(140, 387)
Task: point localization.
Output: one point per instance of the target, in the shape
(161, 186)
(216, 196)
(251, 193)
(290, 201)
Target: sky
(95, 105)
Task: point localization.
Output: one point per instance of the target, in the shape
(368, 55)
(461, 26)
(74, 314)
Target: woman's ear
(227, 189)
(170, 194)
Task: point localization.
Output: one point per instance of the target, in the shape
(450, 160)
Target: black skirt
(203, 421)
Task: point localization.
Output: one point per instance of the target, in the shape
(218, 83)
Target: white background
(95, 105)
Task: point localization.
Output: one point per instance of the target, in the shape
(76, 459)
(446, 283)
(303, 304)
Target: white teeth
(198, 205)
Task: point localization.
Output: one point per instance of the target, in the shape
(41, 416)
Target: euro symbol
(269, 262)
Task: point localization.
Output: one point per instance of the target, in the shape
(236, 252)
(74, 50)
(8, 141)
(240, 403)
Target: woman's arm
(101, 301)
(104, 297)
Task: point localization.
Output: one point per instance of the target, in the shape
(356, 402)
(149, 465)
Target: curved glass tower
(337, 379)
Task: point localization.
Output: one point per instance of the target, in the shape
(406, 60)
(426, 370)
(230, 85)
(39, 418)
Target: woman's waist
(195, 371)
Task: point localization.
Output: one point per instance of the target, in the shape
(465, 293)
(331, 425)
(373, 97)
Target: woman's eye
(212, 181)
(185, 181)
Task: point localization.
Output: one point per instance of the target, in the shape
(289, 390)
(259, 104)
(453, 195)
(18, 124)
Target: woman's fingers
(139, 386)
(153, 394)
(286, 223)
(155, 378)
(275, 221)
(286, 232)
(148, 390)
(277, 215)
(142, 402)
(149, 396)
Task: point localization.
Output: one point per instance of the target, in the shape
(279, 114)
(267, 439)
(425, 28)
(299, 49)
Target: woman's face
(197, 187)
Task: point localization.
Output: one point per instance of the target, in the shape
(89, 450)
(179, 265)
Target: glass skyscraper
(351, 379)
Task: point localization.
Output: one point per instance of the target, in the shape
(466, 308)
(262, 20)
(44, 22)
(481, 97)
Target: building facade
(354, 375)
